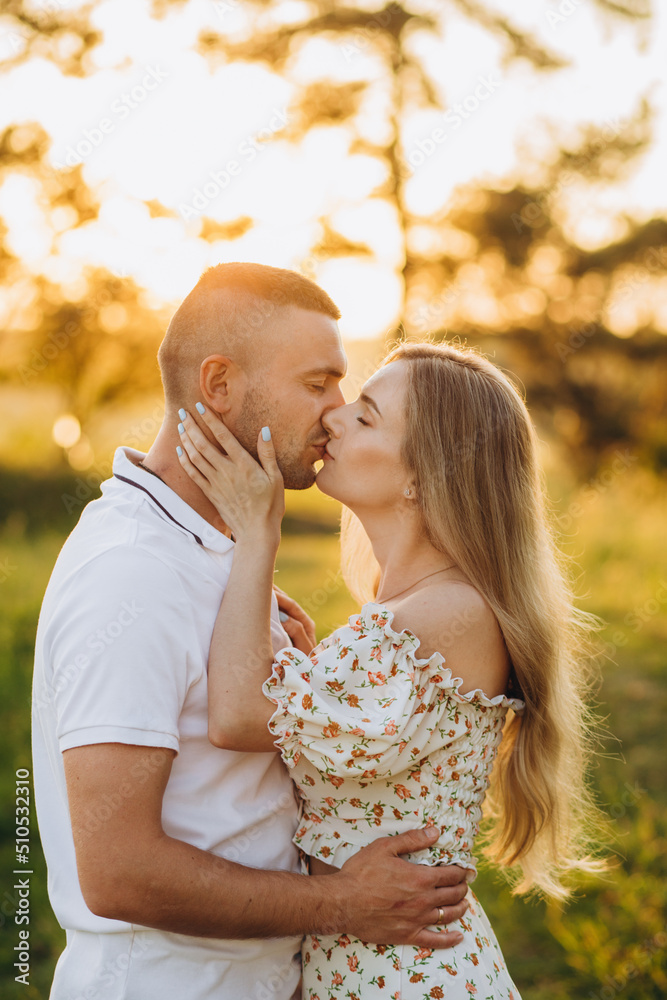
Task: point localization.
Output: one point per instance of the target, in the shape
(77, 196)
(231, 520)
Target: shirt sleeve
(120, 653)
(366, 706)
(363, 706)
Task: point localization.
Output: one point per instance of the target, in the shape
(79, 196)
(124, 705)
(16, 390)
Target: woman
(394, 721)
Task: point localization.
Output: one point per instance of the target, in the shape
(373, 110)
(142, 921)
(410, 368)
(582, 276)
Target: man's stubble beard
(297, 475)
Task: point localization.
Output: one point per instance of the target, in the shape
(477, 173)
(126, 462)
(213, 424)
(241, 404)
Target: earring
(408, 492)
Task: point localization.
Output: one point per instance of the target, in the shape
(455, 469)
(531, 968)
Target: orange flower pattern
(375, 752)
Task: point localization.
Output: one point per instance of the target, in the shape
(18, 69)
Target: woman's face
(362, 464)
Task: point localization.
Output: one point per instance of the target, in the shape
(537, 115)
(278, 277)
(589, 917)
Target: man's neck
(163, 462)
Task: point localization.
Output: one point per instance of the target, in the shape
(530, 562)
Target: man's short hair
(224, 313)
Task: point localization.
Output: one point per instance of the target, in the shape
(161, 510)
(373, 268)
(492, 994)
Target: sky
(156, 122)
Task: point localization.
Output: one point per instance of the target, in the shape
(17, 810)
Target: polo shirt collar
(169, 504)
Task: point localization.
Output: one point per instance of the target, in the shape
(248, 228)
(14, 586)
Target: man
(171, 865)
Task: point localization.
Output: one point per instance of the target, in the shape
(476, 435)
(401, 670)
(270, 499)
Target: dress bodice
(379, 741)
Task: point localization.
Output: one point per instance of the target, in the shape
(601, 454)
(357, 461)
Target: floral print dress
(379, 742)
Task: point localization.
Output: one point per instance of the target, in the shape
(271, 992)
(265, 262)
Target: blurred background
(489, 171)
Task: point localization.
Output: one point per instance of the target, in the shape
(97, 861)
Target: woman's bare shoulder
(454, 619)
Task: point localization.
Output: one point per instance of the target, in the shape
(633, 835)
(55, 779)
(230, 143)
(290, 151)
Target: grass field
(610, 941)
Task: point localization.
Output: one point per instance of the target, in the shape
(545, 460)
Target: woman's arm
(250, 499)
(241, 653)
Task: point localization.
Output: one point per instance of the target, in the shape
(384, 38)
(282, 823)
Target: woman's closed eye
(362, 421)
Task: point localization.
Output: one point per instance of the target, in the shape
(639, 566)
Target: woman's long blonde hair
(471, 449)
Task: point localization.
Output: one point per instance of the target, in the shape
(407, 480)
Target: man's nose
(334, 404)
(338, 398)
(330, 421)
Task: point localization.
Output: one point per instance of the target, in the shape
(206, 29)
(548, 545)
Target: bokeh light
(66, 431)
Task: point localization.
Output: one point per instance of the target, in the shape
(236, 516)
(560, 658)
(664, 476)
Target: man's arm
(130, 870)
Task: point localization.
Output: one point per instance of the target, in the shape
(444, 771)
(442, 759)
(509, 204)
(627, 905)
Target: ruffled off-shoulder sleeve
(363, 704)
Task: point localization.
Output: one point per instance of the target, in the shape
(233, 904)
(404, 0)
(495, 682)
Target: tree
(596, 390)
(594, 387)
(71, 340)
(583, 329)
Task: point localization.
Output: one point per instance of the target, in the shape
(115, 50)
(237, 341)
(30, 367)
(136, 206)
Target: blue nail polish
(201, 408)
(266, 434)
(182, 414)
(181, 429)
(179, 450)
(283, 617)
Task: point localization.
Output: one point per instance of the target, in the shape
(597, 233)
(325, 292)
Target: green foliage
(615, 938)
(610, 939)
(25, 567)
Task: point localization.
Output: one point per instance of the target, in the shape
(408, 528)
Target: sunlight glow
(157, 122)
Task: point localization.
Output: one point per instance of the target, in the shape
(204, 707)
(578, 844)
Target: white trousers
(145, 964)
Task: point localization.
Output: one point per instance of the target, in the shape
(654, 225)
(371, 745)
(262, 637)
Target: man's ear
(222, 383)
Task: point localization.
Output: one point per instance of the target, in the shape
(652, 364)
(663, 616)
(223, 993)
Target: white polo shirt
(121, 654)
